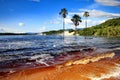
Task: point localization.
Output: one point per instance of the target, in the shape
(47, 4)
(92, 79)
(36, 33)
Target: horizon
(21, 16)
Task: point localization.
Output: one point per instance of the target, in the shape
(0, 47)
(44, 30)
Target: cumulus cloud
(109, 2)
(100, 14)
(96, 17)
(35, 0)
(21, 24)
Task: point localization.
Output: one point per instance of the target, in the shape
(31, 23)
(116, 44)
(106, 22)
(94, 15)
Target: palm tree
(86, 15)
(76, 19)
(63, 13)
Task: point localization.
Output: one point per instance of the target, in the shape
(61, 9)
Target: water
(30, 50)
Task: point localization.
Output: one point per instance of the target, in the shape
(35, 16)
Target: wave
(91, 59)
(42, 58)
(112, 73)
(95, 67)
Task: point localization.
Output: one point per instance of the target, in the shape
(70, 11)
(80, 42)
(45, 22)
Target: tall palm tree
(86, 15)
(63, 13)
(76, 19)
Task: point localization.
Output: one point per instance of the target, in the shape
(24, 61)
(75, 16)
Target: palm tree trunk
(86, 23)
(63, 28)
(75, 30)
(64, 35)
(86, 27)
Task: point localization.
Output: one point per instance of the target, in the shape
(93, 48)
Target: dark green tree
(63, 13)
(76, 19)
(86, 15)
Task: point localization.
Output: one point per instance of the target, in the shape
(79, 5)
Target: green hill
(109, 28)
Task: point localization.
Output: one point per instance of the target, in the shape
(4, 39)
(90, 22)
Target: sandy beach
(99, 65)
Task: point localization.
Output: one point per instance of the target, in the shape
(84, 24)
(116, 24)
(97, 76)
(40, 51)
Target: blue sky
(43, 15)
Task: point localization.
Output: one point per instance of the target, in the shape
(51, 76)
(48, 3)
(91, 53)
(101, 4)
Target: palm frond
(63, 12)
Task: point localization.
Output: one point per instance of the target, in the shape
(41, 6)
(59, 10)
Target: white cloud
(96, 17)
(109, 2)
(42, 29)
(68, 21)
(35, 0)
(7, 28)
(21, 24)
(100, 14)
(54, 22)
(93, 6)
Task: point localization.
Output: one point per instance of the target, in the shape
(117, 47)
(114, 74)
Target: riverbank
(98, 64)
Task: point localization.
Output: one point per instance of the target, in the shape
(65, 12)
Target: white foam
(42, 62)
(11, 71)
(91, 59)
(41, 58)
(113, 73)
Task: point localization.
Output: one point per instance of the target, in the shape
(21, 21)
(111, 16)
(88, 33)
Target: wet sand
(94, 67)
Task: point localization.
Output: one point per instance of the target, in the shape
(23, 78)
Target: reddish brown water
(58, 71)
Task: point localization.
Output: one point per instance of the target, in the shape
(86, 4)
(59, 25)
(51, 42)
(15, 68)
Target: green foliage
(110, 28)
(63, 12)
(53, 32)
(111, 22)
(76, 19)
(86, 14)
(71, 30)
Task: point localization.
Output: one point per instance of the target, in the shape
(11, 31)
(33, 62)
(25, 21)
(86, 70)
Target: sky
(43, 15)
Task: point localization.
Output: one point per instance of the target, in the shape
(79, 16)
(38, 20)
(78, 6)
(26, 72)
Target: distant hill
(109, 28)
(18, 33)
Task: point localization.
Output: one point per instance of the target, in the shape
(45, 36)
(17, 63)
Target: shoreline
(71, 70)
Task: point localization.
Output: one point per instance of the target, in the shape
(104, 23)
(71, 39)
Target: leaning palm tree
(63, 13)
(86, 15)
(76, 19)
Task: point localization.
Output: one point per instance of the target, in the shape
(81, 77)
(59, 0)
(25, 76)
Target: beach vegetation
(76, 19)
(86, 15)
(63, 13)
